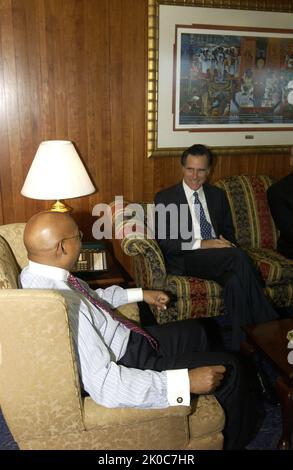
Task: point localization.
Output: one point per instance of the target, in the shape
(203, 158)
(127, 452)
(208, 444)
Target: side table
(115, 274)
(270, 339)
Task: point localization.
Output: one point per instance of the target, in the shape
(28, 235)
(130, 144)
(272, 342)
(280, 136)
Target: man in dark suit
(196, 235)
(280, 199)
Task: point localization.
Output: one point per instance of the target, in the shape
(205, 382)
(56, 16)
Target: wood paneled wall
(76, 70)
(73, 69)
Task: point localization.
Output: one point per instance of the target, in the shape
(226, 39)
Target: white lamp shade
(57, 173)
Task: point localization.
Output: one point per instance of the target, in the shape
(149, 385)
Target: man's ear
(60, 250)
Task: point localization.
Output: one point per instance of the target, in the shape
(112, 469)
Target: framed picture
(228, 79)
(218, 77)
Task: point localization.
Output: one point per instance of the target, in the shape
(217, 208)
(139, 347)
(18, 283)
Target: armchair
(40, 392)
(194, 297)
(190, 297)
(257, 234)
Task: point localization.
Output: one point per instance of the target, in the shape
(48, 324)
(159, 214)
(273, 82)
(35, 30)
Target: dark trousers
(183, 344)
(243, 294)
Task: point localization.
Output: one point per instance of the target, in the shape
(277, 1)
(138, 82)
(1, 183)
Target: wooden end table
(270, 339)
(115, 274)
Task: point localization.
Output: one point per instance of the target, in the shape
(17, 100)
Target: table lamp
(57, 173)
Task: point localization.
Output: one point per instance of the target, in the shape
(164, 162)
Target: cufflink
(179, 400)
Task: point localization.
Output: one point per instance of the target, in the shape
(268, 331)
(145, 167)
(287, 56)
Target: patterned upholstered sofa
(39, 386)
(194, 297)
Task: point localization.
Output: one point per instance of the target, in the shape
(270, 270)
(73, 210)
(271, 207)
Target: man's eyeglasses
(79, 236)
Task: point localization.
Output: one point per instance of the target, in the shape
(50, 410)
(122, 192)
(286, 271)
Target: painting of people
(232, 78)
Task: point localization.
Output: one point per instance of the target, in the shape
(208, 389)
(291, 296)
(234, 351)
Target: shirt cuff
(178, 387)
(134, 295)
(196, 244)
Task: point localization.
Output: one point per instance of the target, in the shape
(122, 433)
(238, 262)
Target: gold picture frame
(154, 146)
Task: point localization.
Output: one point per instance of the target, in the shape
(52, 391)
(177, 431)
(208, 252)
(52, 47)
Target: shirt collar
(189, 192)
(52, 272)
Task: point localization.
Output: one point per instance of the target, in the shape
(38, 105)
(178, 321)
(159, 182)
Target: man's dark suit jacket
(220, 215)
(280, 199)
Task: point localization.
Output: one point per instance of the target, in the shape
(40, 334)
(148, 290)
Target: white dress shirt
(100, 341)
(195, 215)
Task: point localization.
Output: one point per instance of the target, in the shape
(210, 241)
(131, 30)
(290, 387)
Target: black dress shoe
(266, 389)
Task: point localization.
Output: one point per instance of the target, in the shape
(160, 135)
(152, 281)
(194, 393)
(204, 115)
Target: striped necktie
(74, 282)
(205, 226)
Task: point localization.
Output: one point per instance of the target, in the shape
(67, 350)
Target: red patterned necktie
(74, 282)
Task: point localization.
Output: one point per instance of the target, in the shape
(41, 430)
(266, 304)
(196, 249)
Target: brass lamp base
(59, 206)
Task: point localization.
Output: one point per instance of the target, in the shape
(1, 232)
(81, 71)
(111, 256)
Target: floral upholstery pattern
(190, 297)
(193, 297)
(257, 233)
(9, 269)
(205, 418)
(40, 392)
(13, 234)
(274, 267)
(254, 226)
(37, 359)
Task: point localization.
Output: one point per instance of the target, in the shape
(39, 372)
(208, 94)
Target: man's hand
(216, 243)
(156, 297)
(205, 379)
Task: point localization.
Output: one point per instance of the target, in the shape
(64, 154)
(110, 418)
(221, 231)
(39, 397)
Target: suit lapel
(181, 194)
(182, 200)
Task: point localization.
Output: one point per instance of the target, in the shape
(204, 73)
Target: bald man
(120, 367)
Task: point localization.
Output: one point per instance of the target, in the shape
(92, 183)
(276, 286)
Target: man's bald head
(44, 234)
